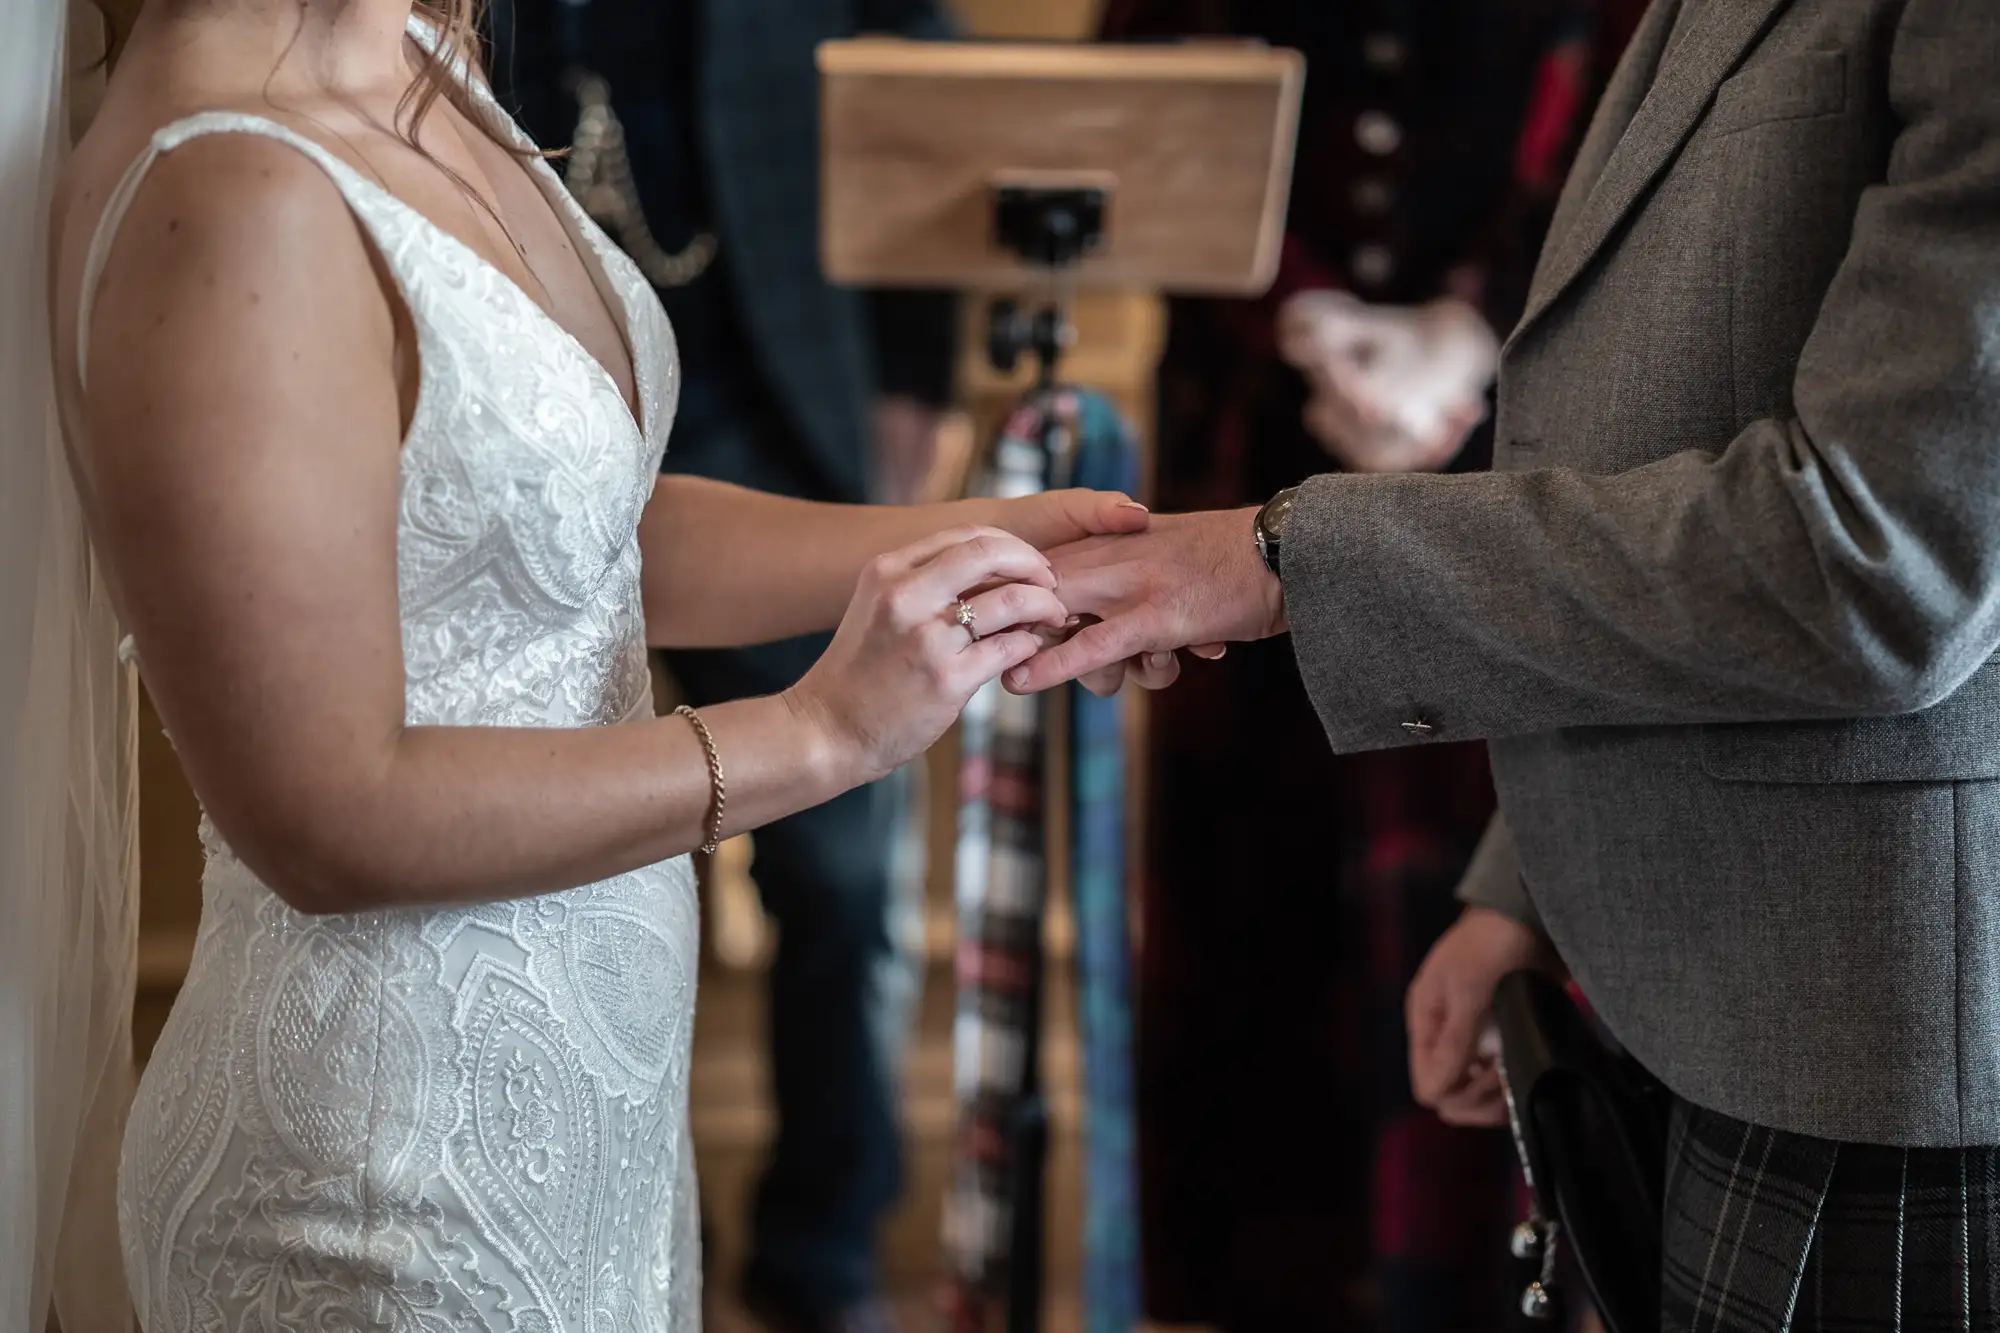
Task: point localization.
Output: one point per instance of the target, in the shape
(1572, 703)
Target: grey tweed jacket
(1728, 609)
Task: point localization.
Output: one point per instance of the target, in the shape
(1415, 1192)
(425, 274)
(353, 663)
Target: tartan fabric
(1771, 1232)
(1002, 887)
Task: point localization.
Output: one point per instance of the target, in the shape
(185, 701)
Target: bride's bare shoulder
(218, 171)
(252, 197)
(232, 249)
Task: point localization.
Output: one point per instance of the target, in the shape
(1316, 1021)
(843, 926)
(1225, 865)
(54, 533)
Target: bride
(366, 418)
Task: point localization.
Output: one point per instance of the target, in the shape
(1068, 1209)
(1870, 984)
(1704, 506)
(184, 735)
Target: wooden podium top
(1193, 144)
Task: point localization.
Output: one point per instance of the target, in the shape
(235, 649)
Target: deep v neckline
(570, 217)
(622, 310)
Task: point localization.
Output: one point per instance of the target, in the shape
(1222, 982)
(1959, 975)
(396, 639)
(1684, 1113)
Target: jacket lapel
(1627, 89)
(1659, 105)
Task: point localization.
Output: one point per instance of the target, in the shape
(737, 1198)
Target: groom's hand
(1189, 579)
(1450, 1007)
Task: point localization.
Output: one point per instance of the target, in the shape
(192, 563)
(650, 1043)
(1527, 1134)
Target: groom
(1728, 612)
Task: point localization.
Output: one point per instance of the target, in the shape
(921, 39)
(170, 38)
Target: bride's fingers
(977, 561)
(1015, 606)
(990, 658)
(1209, 652)
(1099, 511)
(925, 551)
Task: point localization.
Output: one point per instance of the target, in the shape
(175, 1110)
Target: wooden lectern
(937, 155)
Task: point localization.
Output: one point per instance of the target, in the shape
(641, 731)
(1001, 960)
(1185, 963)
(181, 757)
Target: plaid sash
(1002, 887)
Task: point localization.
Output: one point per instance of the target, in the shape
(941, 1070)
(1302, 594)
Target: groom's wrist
(1259, 588)
(1226, 591)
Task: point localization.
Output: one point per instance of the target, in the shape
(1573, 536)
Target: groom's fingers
(1430, 1075)
(1458, 1040)
(1093, 648)
(1104, 683)
(1149, 671)
(1445, 1048)
(1154, 671)
(1479, 1103)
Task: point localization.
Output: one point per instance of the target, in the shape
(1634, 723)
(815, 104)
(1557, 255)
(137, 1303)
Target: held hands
(1188, 580)
(901, 665)
(1450, 1007)
(1394, 388)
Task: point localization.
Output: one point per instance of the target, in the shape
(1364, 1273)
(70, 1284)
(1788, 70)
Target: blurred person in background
(706, 170)
(1288, 1181)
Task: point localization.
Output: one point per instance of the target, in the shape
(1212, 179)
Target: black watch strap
(1270, 528)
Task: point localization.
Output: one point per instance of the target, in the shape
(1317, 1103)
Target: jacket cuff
(1493, 879)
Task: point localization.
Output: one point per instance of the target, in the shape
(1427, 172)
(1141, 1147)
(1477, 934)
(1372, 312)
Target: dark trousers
(824, 875)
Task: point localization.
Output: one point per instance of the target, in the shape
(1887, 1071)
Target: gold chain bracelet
(715, 781)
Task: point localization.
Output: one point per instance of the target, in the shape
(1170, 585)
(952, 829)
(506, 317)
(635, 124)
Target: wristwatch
(1270, 527)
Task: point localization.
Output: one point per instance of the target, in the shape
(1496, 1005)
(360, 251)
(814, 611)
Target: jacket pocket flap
(1954, 741)
(1789, 88)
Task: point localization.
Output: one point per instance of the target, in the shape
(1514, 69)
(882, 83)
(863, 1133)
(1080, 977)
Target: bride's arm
(725, 566)
(239, 461)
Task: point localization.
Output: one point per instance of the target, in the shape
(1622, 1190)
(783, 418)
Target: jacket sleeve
(1841, 562)
(1493, 877)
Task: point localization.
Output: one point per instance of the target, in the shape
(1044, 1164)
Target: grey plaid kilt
(1768, 1232)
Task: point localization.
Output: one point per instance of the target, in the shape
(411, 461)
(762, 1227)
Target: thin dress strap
(164, 141)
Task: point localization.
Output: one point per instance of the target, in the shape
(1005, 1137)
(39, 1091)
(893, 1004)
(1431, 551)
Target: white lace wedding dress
(473, 1118)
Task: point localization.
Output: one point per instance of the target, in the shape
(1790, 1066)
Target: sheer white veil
(68, 798)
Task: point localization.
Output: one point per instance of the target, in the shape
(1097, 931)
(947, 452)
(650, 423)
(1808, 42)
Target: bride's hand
(1057, 518)
(901, 666)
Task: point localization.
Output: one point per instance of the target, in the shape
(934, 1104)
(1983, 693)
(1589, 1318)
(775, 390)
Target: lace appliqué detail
(431, 1121)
